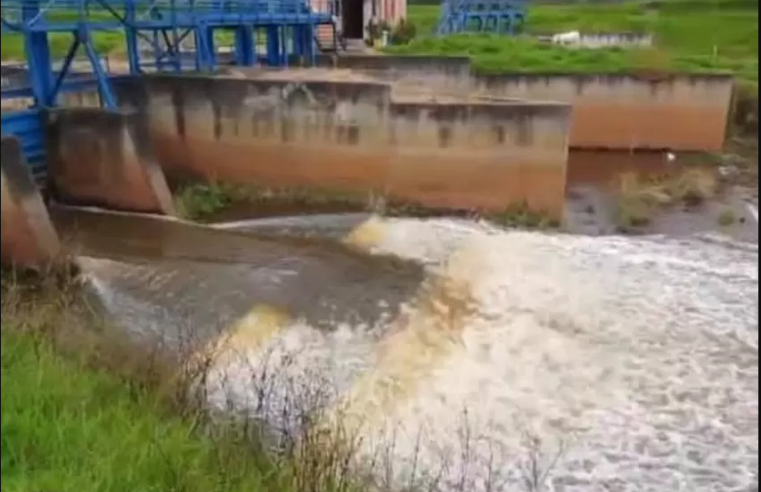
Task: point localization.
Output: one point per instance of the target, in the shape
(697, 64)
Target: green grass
(85, 409)
(105, 42)
(718, 35)
(66, 427)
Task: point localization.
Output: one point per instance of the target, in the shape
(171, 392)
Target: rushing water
(611, 363)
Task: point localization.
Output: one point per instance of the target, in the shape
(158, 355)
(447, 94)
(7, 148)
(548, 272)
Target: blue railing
(68, 15)
(498, 16)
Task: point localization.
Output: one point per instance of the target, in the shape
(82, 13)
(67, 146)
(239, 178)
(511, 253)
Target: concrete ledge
(28, 237)
(101, 158)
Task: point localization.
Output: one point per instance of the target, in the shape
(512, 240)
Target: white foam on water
(640, 357)
(635, 361)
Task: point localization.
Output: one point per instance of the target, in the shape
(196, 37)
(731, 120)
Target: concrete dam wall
(425, 131)
(357, 136)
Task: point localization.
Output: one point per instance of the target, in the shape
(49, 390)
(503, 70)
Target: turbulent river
(466, 355)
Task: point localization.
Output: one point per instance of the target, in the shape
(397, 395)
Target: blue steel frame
(163, 24)
(498, 16)
(288, 27)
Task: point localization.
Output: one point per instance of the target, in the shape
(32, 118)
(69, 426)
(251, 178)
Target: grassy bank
(84, 411)
(690, 36)
(68, 427)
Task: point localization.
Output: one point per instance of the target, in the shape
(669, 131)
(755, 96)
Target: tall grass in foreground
(84, 410)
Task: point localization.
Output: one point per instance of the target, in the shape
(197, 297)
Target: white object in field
(567, 38)
(670, 156)
(384, 39)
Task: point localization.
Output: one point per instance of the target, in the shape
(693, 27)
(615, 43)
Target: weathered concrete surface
(101, 158)
(686, 112)
(83, 99)
(28, 238)
(357, 136)
(423, 129)
(447, 72)
(610, 111)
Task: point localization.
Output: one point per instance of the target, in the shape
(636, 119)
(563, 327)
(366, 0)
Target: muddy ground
(732, 211)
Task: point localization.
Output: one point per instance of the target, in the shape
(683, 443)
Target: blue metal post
(245, 54)
(311, 44)
(37, 55)
(283, 45)
(130, 36)
(40, 67)
(104, 85)
(64, 70)
(273, 45)
(205, 48)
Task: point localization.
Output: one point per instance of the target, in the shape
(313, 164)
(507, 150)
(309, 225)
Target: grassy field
(691, 35)
(82, 412)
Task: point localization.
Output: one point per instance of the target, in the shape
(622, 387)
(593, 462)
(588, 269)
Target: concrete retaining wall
(100, 158)
(353, 136)
(28, 237)
(610, 111)
(685, 112)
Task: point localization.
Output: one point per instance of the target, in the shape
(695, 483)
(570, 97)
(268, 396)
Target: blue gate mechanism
(152, 33)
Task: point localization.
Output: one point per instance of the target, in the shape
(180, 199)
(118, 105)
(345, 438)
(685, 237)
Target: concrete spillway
(633, 361)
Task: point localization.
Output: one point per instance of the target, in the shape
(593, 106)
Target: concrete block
(28, 237)
(102, 158)
(620, 111)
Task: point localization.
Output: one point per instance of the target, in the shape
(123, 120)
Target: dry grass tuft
(639, 199)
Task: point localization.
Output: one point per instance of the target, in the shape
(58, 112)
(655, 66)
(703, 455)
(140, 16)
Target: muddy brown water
(657, 362)
(203, 279)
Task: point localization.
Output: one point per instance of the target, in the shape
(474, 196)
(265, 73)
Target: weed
(639, 198)
(207, 202)
(520, 215)
(403, 32)
(197, 201)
